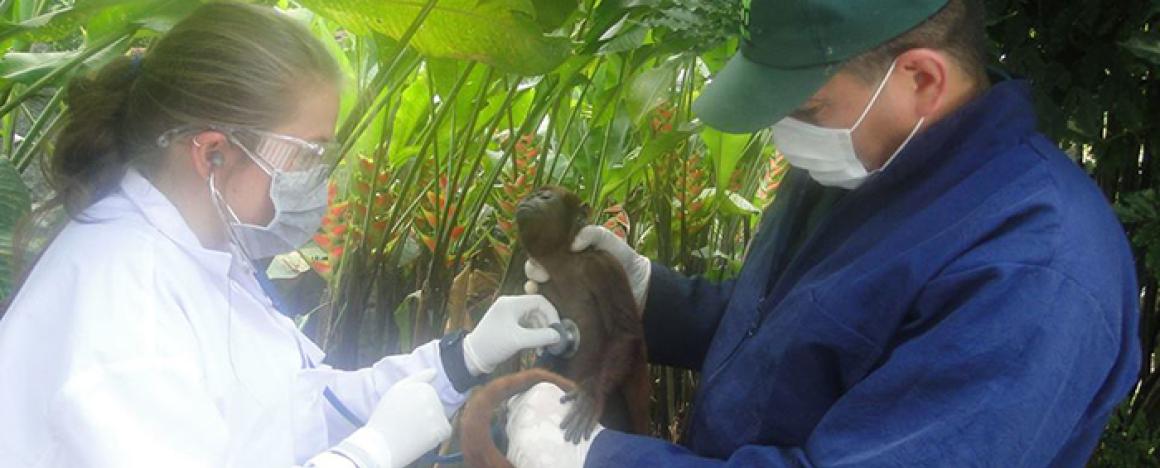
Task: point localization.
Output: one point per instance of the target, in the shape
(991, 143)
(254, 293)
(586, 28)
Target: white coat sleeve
(359, 390)
(144, 412)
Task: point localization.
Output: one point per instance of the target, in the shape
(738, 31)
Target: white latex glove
(534, 435)
(407, 422)
(512, 324)
(637, 266)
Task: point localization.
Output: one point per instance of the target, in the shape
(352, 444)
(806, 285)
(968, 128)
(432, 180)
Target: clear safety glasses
(273, 152)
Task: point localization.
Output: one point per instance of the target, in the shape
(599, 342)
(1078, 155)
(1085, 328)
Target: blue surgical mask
(828, 153)
(298, 173)
(299, 199)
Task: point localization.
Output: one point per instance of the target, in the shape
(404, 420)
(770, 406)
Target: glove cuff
(366, 448)
(643, 270)
(453, 354)
(475, 365)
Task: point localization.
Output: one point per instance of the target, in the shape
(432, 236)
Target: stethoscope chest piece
(569, 342)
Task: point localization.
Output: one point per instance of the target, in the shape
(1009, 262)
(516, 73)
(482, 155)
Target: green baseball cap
(791, 48)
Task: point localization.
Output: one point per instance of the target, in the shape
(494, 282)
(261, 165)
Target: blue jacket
(974, 304)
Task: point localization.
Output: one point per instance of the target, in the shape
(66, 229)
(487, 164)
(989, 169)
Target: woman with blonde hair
(143, 336)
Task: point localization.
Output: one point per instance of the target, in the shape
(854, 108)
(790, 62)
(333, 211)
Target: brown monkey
(607, 377)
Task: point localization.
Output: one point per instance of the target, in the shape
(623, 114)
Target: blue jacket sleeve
(680, 317)
(998, 365)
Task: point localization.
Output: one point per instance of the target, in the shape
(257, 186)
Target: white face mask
(828, 153)
(299, 203)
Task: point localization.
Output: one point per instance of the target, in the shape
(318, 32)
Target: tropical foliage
(455, 109)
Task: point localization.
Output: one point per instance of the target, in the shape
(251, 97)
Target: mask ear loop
(218, 203)
(874, 98)
(913, 132)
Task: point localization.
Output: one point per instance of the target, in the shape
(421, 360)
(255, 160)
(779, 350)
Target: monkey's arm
(680, 316)
(612, 308)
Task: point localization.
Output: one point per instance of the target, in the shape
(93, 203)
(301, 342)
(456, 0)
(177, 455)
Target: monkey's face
(548, 219)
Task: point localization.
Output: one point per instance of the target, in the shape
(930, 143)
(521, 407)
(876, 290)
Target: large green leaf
(550, 14)
(1145, 45)
(725, 150)
(98, 17)
(15, 202)
(28, 67)
(650, 89)
(411, 114)
(635, 164)
(501, 33)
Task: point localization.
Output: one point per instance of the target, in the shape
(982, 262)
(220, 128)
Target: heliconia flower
(662, 119)
(322, 240)
(366, 165)
(362, 188)
(427, 241)
(502, 249)
(381, 200)
(507, 206)
(336, 252)
(456, 232)
(323, 267)
(358, 206)
(618, 222)
(379, 227)
(516, 182)
(338, 230)
(771, 180)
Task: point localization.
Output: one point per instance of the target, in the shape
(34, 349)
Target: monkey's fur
(607, 377)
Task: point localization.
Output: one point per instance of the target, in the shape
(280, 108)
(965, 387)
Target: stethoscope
(327, 393)
(564, 349)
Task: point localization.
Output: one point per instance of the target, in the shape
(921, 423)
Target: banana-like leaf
(97, 16)
(15, 202)
(1145, 45)
(725, 150)
(550, 14)
(501, 33)
(617, 177)
(28, 67)
(650, 89)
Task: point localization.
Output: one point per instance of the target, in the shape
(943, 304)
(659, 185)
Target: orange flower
(322, 240)
(456, 232)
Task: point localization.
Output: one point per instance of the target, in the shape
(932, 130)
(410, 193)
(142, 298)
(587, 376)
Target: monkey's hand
(583, 416)
(534, 435)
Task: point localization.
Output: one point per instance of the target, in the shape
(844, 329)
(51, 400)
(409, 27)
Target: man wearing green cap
(935, 285)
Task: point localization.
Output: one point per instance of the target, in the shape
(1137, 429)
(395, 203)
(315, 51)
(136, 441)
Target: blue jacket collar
(1003, 113)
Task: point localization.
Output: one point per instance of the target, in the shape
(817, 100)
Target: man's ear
(927, 72)
(208, 151)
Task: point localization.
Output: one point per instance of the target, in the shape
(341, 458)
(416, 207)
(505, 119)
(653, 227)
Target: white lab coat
(132, 345)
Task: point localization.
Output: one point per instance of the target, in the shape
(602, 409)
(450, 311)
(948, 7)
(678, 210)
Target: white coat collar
(161, 214)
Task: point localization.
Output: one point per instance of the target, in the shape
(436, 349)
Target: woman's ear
(207, 152)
